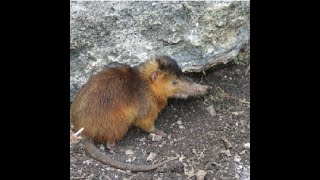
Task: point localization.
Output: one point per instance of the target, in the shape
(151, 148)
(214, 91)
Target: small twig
(78, 132)
(229, 96)
(247, 70)
(203, 74)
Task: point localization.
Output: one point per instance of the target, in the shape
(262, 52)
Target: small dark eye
(174, 82)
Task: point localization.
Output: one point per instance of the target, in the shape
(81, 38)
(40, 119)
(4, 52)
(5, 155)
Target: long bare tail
(95, 153)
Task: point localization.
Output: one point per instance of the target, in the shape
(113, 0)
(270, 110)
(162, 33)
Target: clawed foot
(160, 133)
(111, 146)
(74, 139)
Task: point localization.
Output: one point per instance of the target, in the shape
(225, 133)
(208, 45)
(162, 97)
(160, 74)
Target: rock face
(198, 35)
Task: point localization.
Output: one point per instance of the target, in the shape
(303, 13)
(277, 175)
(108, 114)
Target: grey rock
(227, 143)
(200, 174)
(151, 156)
(154, 137)
(129, 152)
(198, 35)
(211, 110)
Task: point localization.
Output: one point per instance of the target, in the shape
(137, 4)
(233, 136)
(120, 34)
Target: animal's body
(115, 99)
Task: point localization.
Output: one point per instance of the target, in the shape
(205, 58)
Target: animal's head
(168, 80)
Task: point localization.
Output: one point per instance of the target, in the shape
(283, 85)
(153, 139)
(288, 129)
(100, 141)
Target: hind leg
(112, 132)
(111, 146)
(160, 133)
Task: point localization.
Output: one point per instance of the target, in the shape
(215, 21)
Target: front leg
(160, 133)
(147, 125)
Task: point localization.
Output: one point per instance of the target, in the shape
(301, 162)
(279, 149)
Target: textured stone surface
(197, 34)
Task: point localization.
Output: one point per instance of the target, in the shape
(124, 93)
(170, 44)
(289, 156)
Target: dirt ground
(209, 133)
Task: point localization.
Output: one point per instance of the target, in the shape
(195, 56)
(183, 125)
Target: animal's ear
(161, 62)
(155, 74)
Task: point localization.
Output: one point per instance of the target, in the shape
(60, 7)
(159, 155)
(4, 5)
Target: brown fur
(117, 98)
(107, 105)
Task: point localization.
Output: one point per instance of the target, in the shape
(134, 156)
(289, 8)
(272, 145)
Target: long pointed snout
(190, 88)
(203, 88)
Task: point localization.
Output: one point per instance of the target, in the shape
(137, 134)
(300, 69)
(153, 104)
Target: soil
(209, 133)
